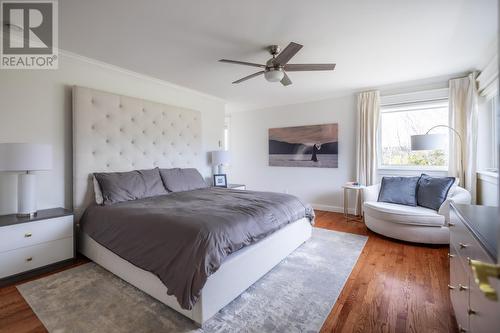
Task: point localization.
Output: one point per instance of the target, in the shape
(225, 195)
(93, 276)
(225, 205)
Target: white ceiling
(374, 43)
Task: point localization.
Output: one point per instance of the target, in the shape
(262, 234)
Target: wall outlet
(285, 191)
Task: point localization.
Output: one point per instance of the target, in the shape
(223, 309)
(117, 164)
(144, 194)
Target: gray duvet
(184, 237)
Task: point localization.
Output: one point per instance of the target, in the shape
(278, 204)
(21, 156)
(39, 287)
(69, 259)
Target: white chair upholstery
(412, 224)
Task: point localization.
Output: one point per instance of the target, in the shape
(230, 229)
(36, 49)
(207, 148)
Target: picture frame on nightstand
(220, 180)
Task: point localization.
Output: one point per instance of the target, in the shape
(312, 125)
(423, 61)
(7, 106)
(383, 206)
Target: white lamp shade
(25, 156)
(220, 157)
(428, 141)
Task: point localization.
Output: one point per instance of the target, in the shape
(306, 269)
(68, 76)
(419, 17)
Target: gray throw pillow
(432, 191)
(131, 185)
(177, 180)
(399, 190)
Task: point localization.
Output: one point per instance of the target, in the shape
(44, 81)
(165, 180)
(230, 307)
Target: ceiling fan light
(274, 75)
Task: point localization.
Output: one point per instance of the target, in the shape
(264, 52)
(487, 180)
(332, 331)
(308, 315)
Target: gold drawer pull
(471, 312)
(462, 245)
(28, 234)
(461, 287)
(451, 255)
(482, 271)
(451, 287)
(29, 258)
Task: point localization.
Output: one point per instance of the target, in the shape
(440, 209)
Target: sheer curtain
(463, 118)
(368, 121)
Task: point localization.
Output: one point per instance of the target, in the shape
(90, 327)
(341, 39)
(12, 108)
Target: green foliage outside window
(401, 156)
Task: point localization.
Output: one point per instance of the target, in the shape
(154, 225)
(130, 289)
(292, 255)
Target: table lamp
(219, 159)
(25, 158)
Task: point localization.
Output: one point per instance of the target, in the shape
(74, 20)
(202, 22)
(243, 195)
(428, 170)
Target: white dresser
(28, 244)
(473, 242)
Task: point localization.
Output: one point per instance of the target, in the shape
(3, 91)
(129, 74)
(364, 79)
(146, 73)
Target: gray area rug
(296, 296)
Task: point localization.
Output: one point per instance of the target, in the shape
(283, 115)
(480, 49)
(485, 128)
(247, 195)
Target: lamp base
(26, 195)
(221, 169)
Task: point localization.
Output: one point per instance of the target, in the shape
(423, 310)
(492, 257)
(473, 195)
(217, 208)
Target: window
(399, 122)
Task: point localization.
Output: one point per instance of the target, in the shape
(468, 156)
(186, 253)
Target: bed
(117, 133)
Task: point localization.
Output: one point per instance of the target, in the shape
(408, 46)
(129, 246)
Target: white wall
(35, 106)
(487, 188)
(318, 186)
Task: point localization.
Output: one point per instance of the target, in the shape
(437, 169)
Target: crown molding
(108, 66)
(137, 75)
(488, 78)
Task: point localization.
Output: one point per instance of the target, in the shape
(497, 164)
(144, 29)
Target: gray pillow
(132, 185)
(177, 180)
(399, 190)
(432, 191)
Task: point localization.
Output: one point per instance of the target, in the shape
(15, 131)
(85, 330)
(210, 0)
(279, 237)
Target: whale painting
(304, 146)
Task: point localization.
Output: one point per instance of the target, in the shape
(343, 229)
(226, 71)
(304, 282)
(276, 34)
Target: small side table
(237, 186)
(358, 189)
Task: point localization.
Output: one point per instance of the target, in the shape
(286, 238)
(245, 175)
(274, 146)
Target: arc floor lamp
(436, 141)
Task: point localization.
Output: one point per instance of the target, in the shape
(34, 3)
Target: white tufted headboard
(119, 133)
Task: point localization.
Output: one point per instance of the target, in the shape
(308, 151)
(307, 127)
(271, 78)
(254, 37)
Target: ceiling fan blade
(249, 77)
(309, 67)
(242, 63)
(287, 53)
(286, 80)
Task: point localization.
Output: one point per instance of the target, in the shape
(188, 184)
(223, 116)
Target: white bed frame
(118, 133)
(238, 272)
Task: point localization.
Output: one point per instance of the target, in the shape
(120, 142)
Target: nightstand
(31, 244)
(237, 186)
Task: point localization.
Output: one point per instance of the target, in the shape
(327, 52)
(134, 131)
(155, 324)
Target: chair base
(408, 232)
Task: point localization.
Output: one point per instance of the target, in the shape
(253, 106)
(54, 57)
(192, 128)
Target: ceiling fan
(275, 68)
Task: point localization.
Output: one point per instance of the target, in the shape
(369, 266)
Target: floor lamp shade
(428, 141)
(219, 159)
(25, 157)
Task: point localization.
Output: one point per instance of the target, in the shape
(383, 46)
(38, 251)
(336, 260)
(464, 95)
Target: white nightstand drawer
(31, 233)
(28, 258)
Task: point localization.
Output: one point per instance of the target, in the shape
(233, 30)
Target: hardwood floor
(394, 287)
(15, 314)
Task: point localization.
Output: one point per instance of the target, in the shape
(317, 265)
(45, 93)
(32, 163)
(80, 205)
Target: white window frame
(494, 131)
(401, 103)
(488, 85)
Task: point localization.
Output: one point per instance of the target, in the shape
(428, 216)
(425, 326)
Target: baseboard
(329, 208)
